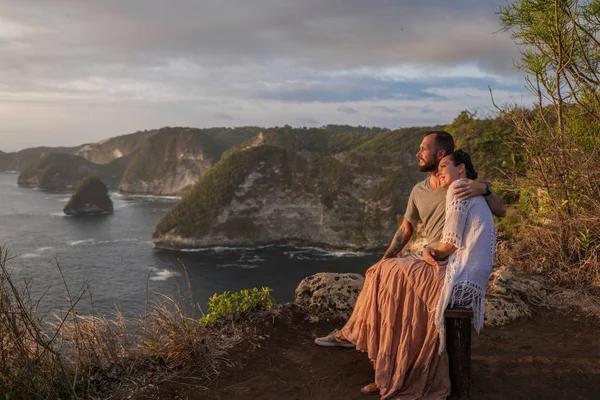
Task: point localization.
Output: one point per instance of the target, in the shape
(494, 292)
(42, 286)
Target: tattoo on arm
(400, 239)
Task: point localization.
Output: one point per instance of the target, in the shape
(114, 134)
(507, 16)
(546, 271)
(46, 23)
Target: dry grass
(89, 356)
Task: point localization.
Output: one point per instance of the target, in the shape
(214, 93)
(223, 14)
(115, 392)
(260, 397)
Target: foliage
(486, 142)
(404, 140)
(327, 140)
(62, 170)
(558, 139)
(230, 306)
(89, 356)
(90, 190)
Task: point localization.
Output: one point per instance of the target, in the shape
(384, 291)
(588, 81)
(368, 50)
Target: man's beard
(428, 166)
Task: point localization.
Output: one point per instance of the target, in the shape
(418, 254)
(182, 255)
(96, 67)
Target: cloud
(347, 110)
(134, 64)
(223, 115)
(307, 121)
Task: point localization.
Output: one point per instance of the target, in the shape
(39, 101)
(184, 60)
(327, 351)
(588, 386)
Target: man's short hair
(443, 141)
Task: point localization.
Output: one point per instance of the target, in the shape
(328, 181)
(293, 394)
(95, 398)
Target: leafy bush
(227, 306)
(557, 140)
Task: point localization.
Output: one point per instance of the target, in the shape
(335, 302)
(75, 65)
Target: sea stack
(90, 197)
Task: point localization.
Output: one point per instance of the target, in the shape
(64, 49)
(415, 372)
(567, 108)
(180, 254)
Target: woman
(468, 243)
(399, 315)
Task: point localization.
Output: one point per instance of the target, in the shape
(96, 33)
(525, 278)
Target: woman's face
(448, 172)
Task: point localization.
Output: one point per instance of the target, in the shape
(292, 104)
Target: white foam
(147, 197)
(30, 255)
(237, 265)
(42, 249)
(163, 275)
(78, 242)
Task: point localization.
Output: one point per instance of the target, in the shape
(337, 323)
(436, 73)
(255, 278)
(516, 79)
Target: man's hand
(429, 256)
(464, 191)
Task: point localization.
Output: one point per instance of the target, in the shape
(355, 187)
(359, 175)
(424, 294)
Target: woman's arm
(454, 226)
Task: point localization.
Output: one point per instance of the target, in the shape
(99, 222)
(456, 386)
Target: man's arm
(473, 188)
(402, 236)
(441, 253)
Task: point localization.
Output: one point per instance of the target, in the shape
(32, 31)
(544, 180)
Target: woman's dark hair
(462, 157)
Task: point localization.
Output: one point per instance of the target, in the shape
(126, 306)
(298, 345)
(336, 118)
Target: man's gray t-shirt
(429, 206)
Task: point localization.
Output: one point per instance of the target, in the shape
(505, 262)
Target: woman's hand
(429, 256)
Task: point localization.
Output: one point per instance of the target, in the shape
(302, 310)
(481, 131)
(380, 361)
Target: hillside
(327, 140)
(268, 194)
(101, 152)
(173, 159)
(107, 150)
(58, 171)
(404, 140)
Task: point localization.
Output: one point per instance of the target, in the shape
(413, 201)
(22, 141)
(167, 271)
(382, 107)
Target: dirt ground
(552, 355)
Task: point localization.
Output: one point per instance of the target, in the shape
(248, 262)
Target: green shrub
(231, 306)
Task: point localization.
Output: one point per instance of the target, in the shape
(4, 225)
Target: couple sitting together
(398, 319)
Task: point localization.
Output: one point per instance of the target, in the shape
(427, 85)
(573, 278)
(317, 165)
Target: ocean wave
(164, 274)
(30, 255)
(254, 258)
(79, 242)
(238, 265)
(59, 214)
(305, 253)
(144, 196)
(42, 249)
(122, 205)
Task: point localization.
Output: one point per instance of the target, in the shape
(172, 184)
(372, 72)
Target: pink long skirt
(394, 323)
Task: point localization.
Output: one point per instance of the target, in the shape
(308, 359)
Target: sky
(78, 71)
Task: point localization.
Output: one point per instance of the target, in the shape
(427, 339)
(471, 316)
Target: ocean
(113, 256)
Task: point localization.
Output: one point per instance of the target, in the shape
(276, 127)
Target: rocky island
(90, 197)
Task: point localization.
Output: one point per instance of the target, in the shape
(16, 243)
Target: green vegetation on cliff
(191, 217)
(163, 152)
(170, 149)
(403, 140)
(486, 141)
(330, 139)
(62, 170)
(89, 197)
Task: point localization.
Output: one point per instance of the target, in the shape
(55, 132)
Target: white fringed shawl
(469, 226)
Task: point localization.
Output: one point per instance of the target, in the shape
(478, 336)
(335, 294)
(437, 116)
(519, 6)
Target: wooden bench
(458, 345)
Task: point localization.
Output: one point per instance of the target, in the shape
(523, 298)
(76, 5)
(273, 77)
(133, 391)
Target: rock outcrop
(510, 296)
(174, 159)
(328, 296)
(271, 195)
(105, 151)
(90, 197)
(59, 171)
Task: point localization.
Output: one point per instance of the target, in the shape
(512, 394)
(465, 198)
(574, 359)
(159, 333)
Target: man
(427, 200)
(372, 326)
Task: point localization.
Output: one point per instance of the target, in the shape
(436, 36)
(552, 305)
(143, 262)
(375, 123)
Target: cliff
(102, 152)
(90, 197)
(271, 195)
(105, 151)
(60, 171)
(172, 160)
